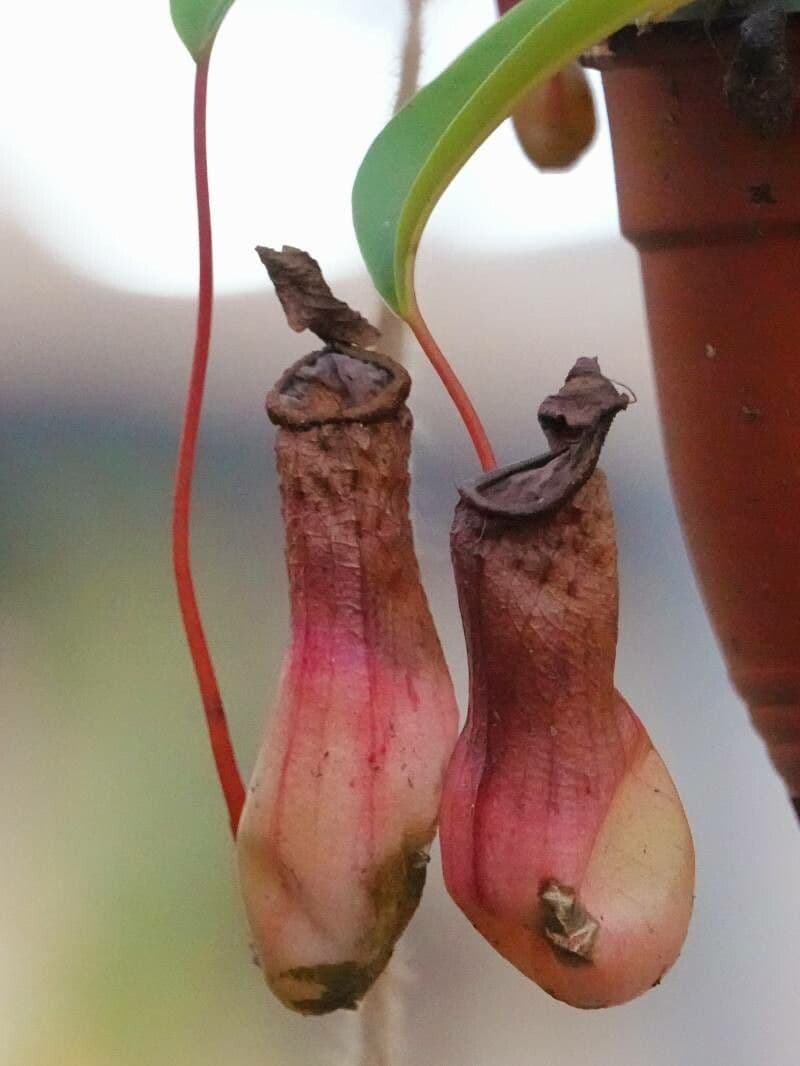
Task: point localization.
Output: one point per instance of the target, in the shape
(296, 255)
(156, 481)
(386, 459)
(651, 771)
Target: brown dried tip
(575, 421)
(568, 925)
(586, 403)
(308, 301)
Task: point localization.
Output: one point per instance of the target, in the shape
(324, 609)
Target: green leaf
(197, 22)
(420, 151)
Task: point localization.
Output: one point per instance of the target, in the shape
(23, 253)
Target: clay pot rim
(678, 41)
(694, 12)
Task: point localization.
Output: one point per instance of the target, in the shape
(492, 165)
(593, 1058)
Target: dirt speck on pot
(751, 414)
(762, 194)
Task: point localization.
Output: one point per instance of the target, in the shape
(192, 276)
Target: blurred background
(123, 938)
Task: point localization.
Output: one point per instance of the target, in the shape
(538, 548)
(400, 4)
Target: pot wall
(714, 212)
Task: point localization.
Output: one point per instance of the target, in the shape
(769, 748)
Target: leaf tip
(196, 23)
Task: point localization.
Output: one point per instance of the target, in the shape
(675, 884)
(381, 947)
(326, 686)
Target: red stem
(456, 390)
(221, 746)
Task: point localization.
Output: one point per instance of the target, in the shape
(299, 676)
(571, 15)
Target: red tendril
(457, 392)
(221, 746)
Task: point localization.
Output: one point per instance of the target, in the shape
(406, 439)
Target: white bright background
(96, 132)
(519, 274)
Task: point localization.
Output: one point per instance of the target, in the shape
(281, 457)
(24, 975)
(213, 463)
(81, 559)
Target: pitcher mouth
(339, 383)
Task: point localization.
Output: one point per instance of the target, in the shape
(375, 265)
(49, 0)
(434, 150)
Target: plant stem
(412, 55)
(375, 1025)
(221, 746)
(381, 1014)
(389, 324)
(457, 392)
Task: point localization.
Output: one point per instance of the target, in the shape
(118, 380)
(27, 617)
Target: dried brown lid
(308, 302)
(575, 421)
(338, 384)
(586, 403)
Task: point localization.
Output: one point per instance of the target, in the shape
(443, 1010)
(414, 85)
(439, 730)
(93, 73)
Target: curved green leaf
(197, 22)
(420, 151)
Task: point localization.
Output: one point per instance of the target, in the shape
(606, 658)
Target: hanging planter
(563, 838)
(706, 144)
(706, 140)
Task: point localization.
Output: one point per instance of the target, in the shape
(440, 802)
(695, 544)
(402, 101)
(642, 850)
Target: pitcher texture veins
(563, 837)
(343, 803)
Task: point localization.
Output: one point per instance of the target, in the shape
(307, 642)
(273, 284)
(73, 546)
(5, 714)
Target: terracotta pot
(714, 211)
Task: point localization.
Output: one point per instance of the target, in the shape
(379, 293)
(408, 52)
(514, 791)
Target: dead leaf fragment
(308, 301)
(568, 926)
